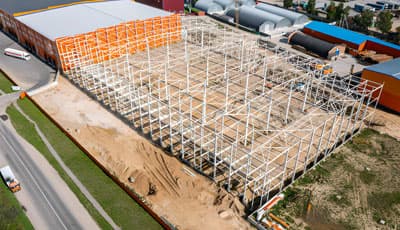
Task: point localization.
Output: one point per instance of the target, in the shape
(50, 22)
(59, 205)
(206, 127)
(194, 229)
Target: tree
(339, 11)
(311, 6)
(362, 21)
(287, 3)
(331, 12)
(384, 21)
(398, 34)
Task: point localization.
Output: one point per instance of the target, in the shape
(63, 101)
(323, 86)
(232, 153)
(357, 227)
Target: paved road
(49, 202)
(28, 74)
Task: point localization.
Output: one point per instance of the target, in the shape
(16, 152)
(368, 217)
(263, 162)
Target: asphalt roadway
(50, 204)
(48, 201)
(30, 74)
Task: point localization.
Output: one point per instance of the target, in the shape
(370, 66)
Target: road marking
(34, 180)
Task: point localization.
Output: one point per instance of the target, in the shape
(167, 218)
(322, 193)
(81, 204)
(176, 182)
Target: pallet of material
(379, 58)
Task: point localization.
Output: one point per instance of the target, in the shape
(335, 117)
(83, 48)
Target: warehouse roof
(13, 6)
(82, 18)
(294, 17)
(390, 68)
(346, 35)
(254, 18)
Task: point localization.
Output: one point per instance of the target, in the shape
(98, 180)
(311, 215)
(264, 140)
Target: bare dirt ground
(388, 123)
(355, 188)
(183, 197)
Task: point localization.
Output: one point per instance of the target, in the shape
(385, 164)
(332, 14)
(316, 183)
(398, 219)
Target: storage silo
(208, 6)
(294, 17)
(247, 2)
(258, 19)
(226, 4)
(321, 48)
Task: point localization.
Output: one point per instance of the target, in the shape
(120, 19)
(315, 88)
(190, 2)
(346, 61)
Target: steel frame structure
(250, 118)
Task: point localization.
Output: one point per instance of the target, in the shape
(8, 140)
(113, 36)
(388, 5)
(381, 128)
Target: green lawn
(11, 214)
(5, 84)
(120, 206)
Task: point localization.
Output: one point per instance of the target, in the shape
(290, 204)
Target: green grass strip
(5, 84)
(120, 206)
(28, 132)
(12, 215)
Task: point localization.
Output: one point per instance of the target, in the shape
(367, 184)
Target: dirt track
(186, 199)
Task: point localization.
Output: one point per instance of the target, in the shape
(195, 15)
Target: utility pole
(343, 22)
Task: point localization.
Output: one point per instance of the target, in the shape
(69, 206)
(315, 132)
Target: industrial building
(387, 73)
(210, 7)
(250, 119)
(354, 40)
(175, 6)
(262, 17)
(219, 6)
(258, 19)
(104, 21)
(295, 18)
(317, 46)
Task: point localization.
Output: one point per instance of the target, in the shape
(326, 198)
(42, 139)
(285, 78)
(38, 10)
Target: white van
(17, 53)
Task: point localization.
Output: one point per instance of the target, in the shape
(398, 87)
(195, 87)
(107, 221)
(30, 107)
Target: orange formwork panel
(140, 35)
(111, 34)
(91, 46)
(149, 32)
(130, 30)
(64, 46)
(158, 32)
(115, 41)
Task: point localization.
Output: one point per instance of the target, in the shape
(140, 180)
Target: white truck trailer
(9, 179)
(17, 53)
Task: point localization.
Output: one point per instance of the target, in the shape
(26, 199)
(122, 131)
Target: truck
(9, 178)
(376, 6)
(17, 53)
(361, 7)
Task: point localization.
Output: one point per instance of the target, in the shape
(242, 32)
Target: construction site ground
(173, 190)
(357, 187)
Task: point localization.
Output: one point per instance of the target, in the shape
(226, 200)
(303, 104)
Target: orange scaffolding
(115, 41)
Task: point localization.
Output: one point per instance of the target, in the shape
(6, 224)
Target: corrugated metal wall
(331, 39)
(173, 6)
(153, 3)
(168, 5)
(390, 96)
(32, 40)
(379, 48)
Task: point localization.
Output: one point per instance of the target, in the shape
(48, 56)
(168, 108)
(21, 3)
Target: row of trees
(337, 13)
(362, 21)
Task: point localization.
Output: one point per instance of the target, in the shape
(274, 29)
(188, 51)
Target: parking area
(28, 74)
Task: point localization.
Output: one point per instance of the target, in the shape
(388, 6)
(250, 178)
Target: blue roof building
(352, 39)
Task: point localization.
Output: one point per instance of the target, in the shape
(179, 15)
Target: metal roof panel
(82, 18)
(390, 68)
(346, 35)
